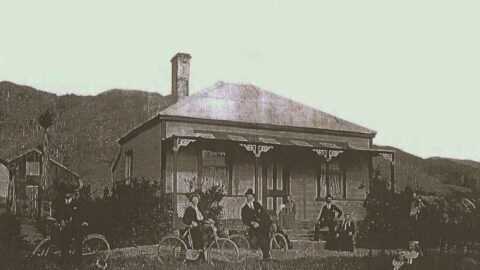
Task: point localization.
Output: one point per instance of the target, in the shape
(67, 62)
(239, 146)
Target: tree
(45, 120)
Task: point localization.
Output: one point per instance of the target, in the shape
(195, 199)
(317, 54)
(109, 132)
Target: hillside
(86, 128)
(439, 175)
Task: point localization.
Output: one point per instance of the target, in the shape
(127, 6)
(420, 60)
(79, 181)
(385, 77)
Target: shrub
(13, 249)
(132, 213)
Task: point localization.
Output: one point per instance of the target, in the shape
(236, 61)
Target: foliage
(46, 119)
(130, 214)
(386, 224)
(13, 249)
(210, 201)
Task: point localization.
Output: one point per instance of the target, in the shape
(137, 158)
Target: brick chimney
(180, 75)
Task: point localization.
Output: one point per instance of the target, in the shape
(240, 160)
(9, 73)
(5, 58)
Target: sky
(408, 69)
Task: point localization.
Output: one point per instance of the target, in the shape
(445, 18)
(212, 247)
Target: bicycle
(244, 243)
(94, 246)
(175, 250)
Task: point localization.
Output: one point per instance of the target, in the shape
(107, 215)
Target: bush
(13, 249)
(386, 224)
(132, 213)
(210, 202)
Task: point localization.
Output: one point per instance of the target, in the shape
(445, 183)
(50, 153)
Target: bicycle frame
(188, 236)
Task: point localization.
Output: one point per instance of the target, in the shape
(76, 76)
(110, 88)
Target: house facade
(4, 184)
(27, 173)
(240, 136)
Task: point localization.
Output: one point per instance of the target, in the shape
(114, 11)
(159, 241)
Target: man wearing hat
(329, 213)
(258, 222)
(70, 218)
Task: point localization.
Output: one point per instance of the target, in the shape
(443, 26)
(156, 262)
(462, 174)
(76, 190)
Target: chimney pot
(180, 75)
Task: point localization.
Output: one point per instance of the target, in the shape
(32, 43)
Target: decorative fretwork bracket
(321, 152)
(388, 156)
(333, 154)
(182, 142)
(328, 154)
(257, 150)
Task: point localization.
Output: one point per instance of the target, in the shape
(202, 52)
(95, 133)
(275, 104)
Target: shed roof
(246, 103)
(51, 160)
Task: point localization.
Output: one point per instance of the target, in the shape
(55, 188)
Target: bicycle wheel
(171, 250)
(43, 248)
(243, 246)
(278, 242)
(96, 249)
(222, 250)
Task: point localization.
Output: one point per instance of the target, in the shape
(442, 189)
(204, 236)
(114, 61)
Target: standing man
(71, 224)
(327, 218)
(256, 218)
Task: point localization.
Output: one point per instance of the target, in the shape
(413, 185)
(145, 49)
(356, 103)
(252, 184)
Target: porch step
(300, 234)
(308, 245)
(304, 225)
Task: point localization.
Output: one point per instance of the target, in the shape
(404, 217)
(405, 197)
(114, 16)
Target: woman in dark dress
(290, 212)
(199, 225)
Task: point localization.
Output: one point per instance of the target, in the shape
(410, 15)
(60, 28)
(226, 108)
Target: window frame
(328, 173)
(29, 167)
(129, 164)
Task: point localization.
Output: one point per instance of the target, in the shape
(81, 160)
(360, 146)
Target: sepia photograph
(241, 135)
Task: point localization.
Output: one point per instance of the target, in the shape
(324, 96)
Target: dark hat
(329, 196)
(192, 195)
(249, 192)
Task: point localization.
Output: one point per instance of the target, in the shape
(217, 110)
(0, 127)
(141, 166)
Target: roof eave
(266, 126)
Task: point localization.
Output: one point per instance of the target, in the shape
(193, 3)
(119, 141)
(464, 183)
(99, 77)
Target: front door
(273, 186)
(31, 193)
(302, 186)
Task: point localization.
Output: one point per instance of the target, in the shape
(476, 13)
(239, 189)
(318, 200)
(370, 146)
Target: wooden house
(27, 173)
(4, 184)
(242, 136)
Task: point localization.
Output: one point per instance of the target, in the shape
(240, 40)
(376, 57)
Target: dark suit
(70, 217)
(197, 233)
(262, 233)
(327, 219)
(346, 240)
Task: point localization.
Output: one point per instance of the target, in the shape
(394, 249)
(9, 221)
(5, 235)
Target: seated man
(199, 226)
(327, 218)
(258, 223)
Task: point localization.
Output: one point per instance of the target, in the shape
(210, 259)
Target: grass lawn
(431, 261)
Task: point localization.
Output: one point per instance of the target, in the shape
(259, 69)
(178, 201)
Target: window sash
(331, 179)
(32, 168)
(128, 164)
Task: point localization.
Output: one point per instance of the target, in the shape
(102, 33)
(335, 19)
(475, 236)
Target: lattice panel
(232, 207)
(182, 204)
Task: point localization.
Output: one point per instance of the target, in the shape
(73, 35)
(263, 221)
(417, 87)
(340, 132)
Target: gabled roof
(246, 103)
(52, 160)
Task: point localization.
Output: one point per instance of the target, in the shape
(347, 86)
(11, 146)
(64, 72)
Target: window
(331, 180)
(336, 180)
(33, 168)
(129, 164)
(214, 170)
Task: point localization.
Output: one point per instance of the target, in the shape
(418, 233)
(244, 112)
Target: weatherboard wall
(146, 152)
